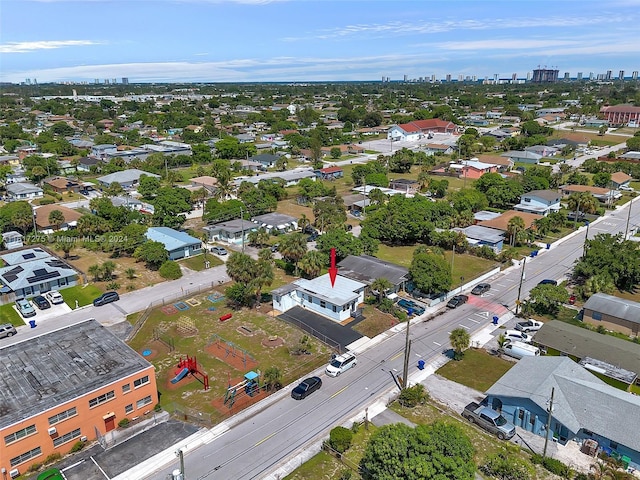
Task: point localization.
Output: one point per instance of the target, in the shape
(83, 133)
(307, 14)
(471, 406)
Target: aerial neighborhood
(184, 256)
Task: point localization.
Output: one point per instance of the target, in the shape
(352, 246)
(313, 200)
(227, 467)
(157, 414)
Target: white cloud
(25, 47)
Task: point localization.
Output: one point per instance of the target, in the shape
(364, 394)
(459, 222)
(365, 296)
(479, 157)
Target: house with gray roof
(12, 240)
(614, 355)
(177, 244)
(367, 269)
(584, 407)
(126, 178)
(23, 191)
(541, 202)
(479, 236)
(613, 313)
(336, 302)
(33, 271)
(276, 221)
(234, 231)
(522, 156)
(291, 177)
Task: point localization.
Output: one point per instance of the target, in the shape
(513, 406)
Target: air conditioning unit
(15, 473)
(52, 431)
(83, 438)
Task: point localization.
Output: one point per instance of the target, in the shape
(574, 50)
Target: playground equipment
(190, 365)
(225, 317)
(250, 384)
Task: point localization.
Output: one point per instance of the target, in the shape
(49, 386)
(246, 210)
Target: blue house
(584, 407)
(517, 156)
(178, 244)
(267, 160)
(541, 202)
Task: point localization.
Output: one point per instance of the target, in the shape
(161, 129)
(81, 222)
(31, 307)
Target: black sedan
(41, 302)
(481, 288)
(457, 301)
(105, 298)
(305, 388)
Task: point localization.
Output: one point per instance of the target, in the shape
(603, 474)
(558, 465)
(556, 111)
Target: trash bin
(548, 246)
(32, 323)
(420, 364)
(495, 320)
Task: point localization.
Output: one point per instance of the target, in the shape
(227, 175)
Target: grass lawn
(84, 294)
(477, 369)
(324, 465)
(375, 322)
(8, 314)
(197, 262)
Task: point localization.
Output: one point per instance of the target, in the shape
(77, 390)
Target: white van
(520, 349)
(517, 336)
(340, 364)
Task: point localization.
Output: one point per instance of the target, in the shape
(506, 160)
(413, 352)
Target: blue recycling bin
(495, 320)
(32, 323)
(420, 364)
(548, 246)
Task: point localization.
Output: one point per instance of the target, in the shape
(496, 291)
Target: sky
(312, 40)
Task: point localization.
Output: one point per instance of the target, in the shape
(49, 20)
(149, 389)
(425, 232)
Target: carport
(327, 331)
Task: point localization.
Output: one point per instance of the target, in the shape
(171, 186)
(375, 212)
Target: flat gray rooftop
(45, 371)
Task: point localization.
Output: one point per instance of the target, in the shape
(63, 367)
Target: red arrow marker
(333, 271)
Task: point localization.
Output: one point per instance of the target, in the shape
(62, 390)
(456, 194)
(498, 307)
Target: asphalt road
(258, 446)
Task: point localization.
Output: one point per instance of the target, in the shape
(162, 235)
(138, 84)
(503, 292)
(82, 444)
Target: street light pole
(524, 262)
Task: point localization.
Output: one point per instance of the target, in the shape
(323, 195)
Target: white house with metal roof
(178, 244)
(23, 191)
(337, 302)
(519, 156)
(126, 178)
(584, 407)
(540, 202)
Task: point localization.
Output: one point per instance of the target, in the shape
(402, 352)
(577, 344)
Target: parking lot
(43, 315)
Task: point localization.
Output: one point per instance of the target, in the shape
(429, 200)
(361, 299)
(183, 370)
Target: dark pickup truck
(490, 420)
(411, 307)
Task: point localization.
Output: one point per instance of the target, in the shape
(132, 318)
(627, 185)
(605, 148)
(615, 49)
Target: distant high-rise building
(495, 78)
(514, 77)
(543, 75)
(96, 80)
(433, 79)
(125, 81)
(382, 79)
(566, 76)
(474, 78)
(621, 75)
(579, 76)
(27, 81)
(405, 78)
(460, 78)
(528, 76)
(634, 75)
(609, 75)
(448, 77)
(591, 76)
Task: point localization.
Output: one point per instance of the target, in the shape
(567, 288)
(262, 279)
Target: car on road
(54, 297)
(306, 388)
(340, 364)
(219, 250)
(548, 281)
(456, 301)
(7, 330)
(41, 302)
(105, 298)
(481, 288)
(25, 308)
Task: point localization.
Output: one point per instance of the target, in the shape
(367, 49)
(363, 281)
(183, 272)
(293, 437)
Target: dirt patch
(241, 401)
(232, 357)
(156, 348)
(272, 342)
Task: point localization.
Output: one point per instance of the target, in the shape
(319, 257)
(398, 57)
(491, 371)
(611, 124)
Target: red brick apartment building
(621, 114)
(64, 386)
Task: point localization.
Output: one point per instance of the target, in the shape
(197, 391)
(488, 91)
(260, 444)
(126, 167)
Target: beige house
(613, 313)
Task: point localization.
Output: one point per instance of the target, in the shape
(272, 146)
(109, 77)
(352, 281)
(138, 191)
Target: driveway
(328, 331)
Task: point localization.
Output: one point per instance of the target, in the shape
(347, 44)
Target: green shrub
(77, 447)
(355, 427)
(157, 408)
(34, 467)
(54, 457)
(552, 465)
(47, 201)
(124, 422)
(400, 314)
(507, 467)
(412, 396)
(340, 439)
(346, 475)
(170, 270)
(113, 286)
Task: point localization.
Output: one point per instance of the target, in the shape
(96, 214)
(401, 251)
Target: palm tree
(293, 247)
(303, 222)
(514, 228)
(240, 267)
(96, 271)
(460, 341)
(65, 246)
(130, 273)
(272, 377)
(108, 268)
(312, 263)
(502, 341)
(22, 220)
(379, 287)
(264, 277)
(56, 218)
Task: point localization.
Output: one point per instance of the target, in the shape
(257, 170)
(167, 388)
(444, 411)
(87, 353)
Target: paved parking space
(326, 330)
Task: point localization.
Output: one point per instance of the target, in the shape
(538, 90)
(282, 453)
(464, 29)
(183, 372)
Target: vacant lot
(477, 369)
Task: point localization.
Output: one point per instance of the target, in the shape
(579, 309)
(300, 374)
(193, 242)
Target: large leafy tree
(546, 298)
(438, 451)
(152, 253)
(14, 211)
(430, 273)
(216, 211)
(329, 213)
(344, 243)
(468, 199)
(169, 206)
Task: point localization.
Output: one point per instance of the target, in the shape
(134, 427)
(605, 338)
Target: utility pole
(453, 254)
(626, 230)
(524, 261)
(550, 413)
(181, 471)
(242, 223)
(586, 237)
(407, 349)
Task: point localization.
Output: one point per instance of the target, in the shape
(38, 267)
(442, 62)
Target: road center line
(265, 439)
(338, 392)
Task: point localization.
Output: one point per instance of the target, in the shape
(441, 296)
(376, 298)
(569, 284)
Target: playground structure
(250, 384)
(189, 365)
(229, 351)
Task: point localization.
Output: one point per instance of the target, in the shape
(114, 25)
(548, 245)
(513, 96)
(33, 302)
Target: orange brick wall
(86, 419)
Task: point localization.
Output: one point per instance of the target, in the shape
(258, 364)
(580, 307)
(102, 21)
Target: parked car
(275, 247)
(340, 364)
(517, 336)
(530, 325)
(626, 188)
(313, 237)
(306, 388)
(548, 281)
(411, 307)
(219, 250)
(41, 302)
(54, 297)
(25, 308)
(490, 420)
(309, 230)
(105, 298)
(520, 349)
(7, 330)
(456, 301)
(481, 288)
